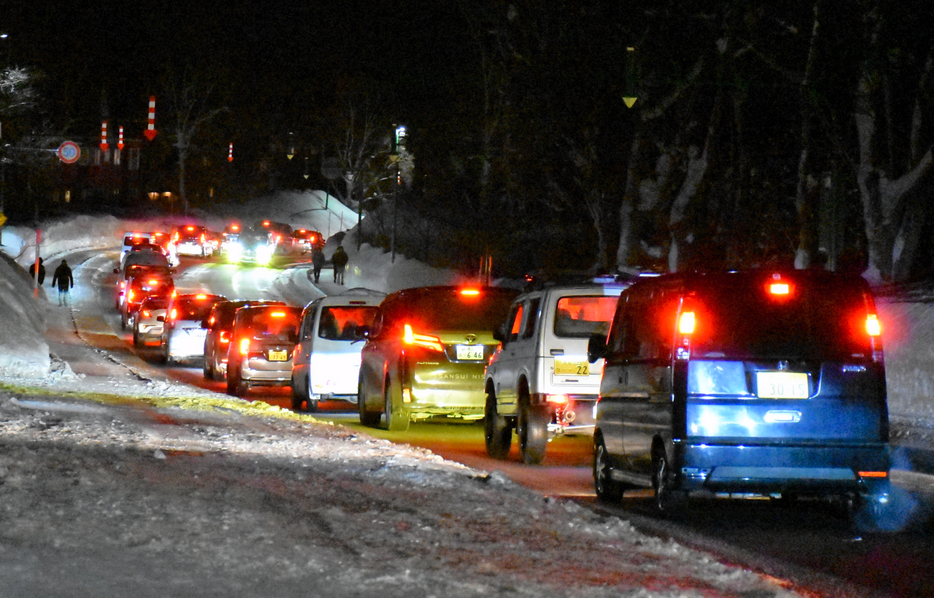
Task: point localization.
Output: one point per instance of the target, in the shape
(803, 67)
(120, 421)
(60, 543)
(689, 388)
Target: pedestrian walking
(317, 262)
(32, 272)
(339, 260)
(63, 279)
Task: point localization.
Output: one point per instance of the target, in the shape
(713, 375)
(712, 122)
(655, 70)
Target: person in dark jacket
(63, 279)
(339, 260)
(317, 262)
(32, 271)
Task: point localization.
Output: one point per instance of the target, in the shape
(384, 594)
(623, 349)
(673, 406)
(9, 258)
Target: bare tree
(192, 99)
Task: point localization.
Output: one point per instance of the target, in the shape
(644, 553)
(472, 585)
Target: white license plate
(568, 367)
(469, 352)
(781, 385)
(278, 356)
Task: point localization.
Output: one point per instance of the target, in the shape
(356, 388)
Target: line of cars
(743, 383)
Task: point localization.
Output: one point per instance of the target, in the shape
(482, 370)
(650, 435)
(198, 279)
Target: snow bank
(23, 349)
(909, 355)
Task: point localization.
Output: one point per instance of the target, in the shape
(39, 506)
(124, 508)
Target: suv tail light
(411, 337)
(687, 322)
(873, 327)
(224, 338)
(244, 346)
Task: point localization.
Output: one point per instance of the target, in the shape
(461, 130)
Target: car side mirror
(206, 324)
(596, 347)
(499, 335)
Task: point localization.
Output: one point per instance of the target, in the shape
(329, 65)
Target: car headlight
(234, 252)
(263, 254)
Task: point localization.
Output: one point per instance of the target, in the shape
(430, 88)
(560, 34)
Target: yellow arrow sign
(2, 219)
(629, 101)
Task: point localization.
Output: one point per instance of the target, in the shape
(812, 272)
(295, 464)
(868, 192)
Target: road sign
(2, 219)
(69, 152)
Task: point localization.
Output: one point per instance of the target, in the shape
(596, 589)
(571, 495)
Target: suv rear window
(819, 320)
(581, 317)
(448, 309)
(280, 323)
(340, 323)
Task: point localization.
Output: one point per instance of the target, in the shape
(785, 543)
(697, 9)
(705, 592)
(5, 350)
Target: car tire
(607, 489)
(299, 402)
(123, 320)
(497, 432)
(667, 500)
(208, 368)
(532, 429)
(233, 382)
(137, 342)
(367, 418)
(396, 421)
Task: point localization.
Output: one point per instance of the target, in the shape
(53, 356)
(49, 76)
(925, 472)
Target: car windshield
(450, 309)
(340, 323)
(817, 320)
(581, 317)
(278, 323)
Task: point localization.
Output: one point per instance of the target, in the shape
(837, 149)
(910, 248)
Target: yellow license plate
(278, 356)
(566, 367)
(469, 352)
(781, 385)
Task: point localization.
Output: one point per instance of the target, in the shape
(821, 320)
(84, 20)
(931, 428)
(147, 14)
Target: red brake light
(223, 338)
(686, 322)
(130, 295)
(873, 327)
(410, 337)
(201, 296)
(779, 288)
(277, 314)
(244, 346)
(146, 313)
(174, 314)
(191, 228)
(470, 292)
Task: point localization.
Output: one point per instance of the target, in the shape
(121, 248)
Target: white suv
(539, 381)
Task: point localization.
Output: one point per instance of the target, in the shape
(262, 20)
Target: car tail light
(224, 338)
(244, 346)
(410, 337)
(173, 314)
(873, 327)
(201, 296)
(873, 474)
(202, 239)
(687, 322)
(146, 313)
(277, 314)
(780, 288)
(470, 292)
(130, 296)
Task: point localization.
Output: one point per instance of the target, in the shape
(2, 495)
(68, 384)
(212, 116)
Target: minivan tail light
(780, 288)
(410, 337)
(873, 327)
(223, 338)
(244, 346)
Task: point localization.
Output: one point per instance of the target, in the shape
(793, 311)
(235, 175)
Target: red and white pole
(150, 133)
(120, 139)
(230, 153)
(104, 144)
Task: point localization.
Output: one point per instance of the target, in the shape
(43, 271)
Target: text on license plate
(566, 367)
(781, 385)
(469, 352)
(278, 356)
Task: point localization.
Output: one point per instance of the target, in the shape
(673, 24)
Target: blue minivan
(753, 383)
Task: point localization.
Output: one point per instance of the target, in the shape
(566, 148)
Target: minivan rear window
(581, 317)
(816, 319)
(340, 323)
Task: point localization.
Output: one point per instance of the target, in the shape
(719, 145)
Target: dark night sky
(274, 56)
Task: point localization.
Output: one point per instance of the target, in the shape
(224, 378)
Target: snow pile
(23, 349)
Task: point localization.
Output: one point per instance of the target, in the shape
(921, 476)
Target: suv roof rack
(540, 280)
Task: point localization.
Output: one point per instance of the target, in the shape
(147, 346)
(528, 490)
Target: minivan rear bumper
(818, 469)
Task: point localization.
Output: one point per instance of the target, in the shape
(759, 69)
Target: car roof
(696, 279)
(354, 296)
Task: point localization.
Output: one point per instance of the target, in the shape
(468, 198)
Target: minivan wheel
(608, 490)
(395, 418)
(667, 500)
(367, 418)
(497, 432)
(532, 429)
(298, 401)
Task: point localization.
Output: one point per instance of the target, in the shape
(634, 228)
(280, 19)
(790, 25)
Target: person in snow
(339, 259)
(64, 280)
(317, 262)
(32, 271)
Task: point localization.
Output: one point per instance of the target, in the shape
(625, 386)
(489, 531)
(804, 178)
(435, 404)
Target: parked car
(183, 333)
(426, 351)
(326, 361)
(147, 326)
(130, 240)
(219, 327)
(133, 271)
(261, 350)
(755, 382)
(539, 383)
(306, 241)
(192, 240)
(146, 284)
